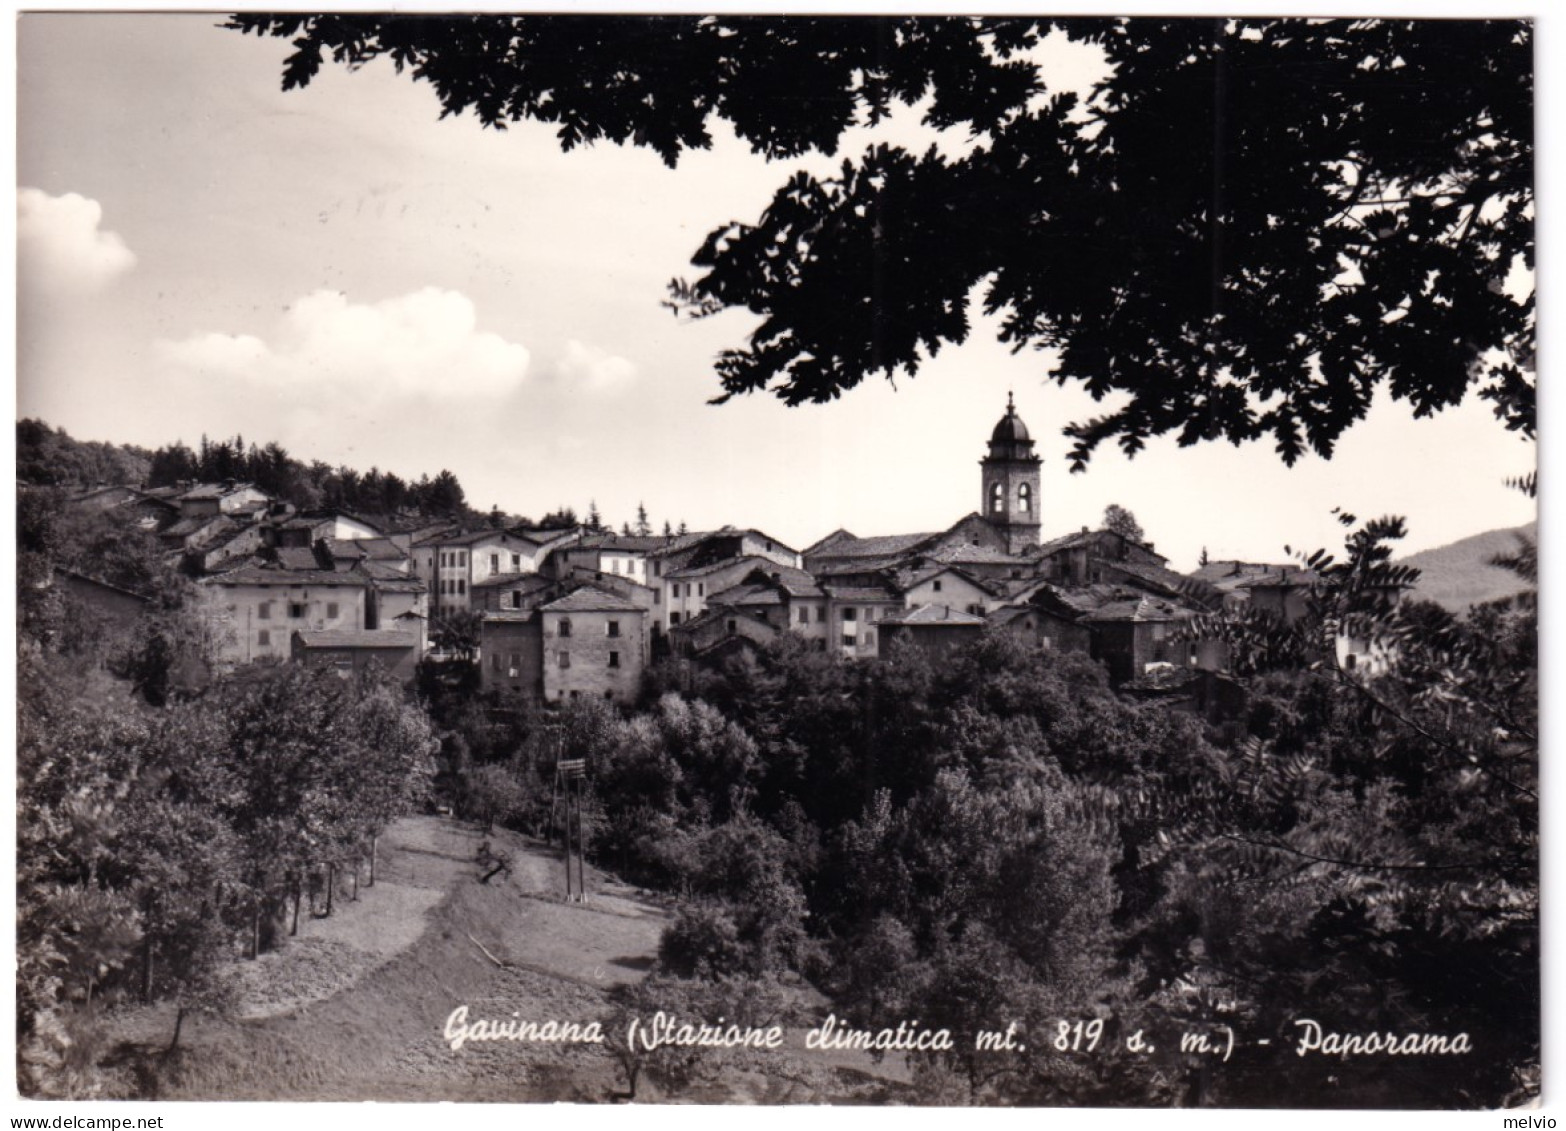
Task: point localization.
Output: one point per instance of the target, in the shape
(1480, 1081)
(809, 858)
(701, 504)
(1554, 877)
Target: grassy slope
(355, 1007)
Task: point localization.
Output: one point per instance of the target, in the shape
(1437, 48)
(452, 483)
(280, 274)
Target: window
(849, 614)
(494, 661)
(848, 640)
(298, 610)
(701, 590)
(494, 563)
(1160, 631)
(674, 618)
(674, 590)
(1350, 660)
(565, 627)
(614, 628)
(820, 614)
(576, 694)
(331, 610)
(936, 584)
(264, 638)
(614, 659)
(516, 598)
(997, 498)
(733, 626)
(516, 562)
(264, 610)
(462, 557)
(657, 597)
(516, 663)
(564, 659)
(976, 610)
(609, 695)
(804, 616)
(1025, 499)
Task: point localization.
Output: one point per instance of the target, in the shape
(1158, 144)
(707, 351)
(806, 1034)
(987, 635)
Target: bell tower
(1009, 480)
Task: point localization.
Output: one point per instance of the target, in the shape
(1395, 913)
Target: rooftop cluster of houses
(564, 613)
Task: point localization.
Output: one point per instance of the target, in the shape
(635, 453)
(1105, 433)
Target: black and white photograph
(875, 561)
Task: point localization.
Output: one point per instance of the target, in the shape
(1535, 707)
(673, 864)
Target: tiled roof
(590, 599)
(429, 535)
(1229, 573)
(967, 553)
(252, 575)
(357, 638)
(215, 490)
(881, 546)
(380, 549)
(797, 582)
(296, 557)
(530, 581)
(830, 567)
(1140, 609)
(712, 567)
(934, 615)
(383, 571)
(857, 593)
(614, 582)
(628, 543)
(187, 526)
(1285, 577)
(831, 539)
(1008, 613)
(399, 585)
(508, 616)
(1067, 541)
(1167, 580)
(910, 578)
(471, 537)
(744, 594)
(542, 535)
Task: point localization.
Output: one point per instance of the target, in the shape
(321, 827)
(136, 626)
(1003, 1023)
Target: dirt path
(356, 1007)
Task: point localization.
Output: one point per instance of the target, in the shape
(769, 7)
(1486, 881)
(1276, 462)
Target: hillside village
(559, 613)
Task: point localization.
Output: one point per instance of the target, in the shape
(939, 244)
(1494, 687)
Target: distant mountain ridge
(1460, 574)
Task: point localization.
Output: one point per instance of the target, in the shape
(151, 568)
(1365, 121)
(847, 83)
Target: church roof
(1011, 429)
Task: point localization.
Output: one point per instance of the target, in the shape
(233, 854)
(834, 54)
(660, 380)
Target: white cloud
(426, 343)
(60, 248)
(593, 369)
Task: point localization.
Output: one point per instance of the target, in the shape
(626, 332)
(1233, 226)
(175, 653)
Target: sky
(339, 270)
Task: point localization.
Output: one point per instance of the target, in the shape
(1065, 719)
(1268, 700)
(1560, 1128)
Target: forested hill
(49, 457)
(1460, 574)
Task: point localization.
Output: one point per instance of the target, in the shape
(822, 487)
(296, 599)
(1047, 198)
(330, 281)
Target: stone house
(511, 651)
(593, 645)
(255, 611)
(934, 629)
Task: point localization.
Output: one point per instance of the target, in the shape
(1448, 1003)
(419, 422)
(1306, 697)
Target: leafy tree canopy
(1242, 231)
(1123, 522)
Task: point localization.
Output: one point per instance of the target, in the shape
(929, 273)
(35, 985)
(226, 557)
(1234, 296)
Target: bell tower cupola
(1010, 483)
